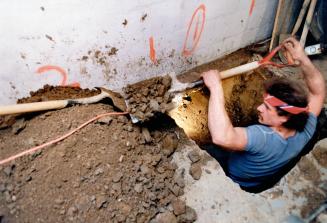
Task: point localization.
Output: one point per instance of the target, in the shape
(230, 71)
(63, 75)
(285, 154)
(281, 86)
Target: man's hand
(211, 79)
(295, 50)
(312, 76)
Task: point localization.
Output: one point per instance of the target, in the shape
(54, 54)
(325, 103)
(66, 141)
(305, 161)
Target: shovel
(178, 85)
(116, 98)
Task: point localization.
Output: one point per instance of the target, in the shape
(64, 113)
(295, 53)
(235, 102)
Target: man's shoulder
(257, 136)
(259, 128)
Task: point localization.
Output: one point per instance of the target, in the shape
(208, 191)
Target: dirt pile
(109, 171)
(49, 92)
(146, 98)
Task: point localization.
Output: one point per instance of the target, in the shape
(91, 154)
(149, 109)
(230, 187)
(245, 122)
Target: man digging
(255, 156)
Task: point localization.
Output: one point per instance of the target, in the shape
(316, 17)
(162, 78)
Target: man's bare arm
(312, 76)
(222, 131)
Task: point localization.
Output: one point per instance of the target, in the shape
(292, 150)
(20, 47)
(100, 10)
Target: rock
(28, 178)
(179, 206)
(31, 142)
(19, 125)
(138, 188)
(196, 171)
(9, 170)
(166, 217)
(179, 180)
(145, 169)
(121, 218)
(84, 202)
(146, 135)
(194, 156)
(14, 198)
(154, 105)
(117, 187)
(72, 211)
(188, 217)
(10, 187)
(129, 128)
(101, 201)
(156, 159)
(175, 189)
(117, 177)
(98, 171)
(59, 201)
(122, 119)
(105, 120)
(169, 144)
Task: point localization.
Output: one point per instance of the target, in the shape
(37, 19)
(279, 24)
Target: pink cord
(58, 139)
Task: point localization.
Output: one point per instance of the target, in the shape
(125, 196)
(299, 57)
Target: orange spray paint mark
(152, 51)
(200, 12)
(61, 71)
(252, 7)
(196, 29)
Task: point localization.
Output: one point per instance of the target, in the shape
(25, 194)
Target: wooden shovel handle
(231, 72)
(239, 70)
(31, 107)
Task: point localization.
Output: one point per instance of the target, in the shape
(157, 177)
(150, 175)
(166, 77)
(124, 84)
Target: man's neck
(284, 132)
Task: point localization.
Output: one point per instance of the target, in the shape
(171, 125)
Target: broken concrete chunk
(194, 156)
(179, 206)
(166, 217)
(188, 217)
(169, 144)
(196, 171)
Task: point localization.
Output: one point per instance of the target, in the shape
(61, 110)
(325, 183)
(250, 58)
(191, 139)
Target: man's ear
(283, 119)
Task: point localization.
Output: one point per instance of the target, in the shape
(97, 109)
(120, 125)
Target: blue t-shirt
(266, 152)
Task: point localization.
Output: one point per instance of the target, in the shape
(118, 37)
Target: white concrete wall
(69, 42)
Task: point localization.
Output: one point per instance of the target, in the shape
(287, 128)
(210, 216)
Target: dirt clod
(146, 98)
(166, 217)
(179, 207)
(194, 156)
(188, 217)
(170, 143)
(196, 171)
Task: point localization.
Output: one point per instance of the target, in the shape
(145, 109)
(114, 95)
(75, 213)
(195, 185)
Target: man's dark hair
(291, 92)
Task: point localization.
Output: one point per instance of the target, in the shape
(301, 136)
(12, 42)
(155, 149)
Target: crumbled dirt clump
(109, 171)
(49, 92)
(148, 97)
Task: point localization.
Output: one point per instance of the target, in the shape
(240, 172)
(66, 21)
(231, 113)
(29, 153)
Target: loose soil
(147, 98)
(109, 171)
